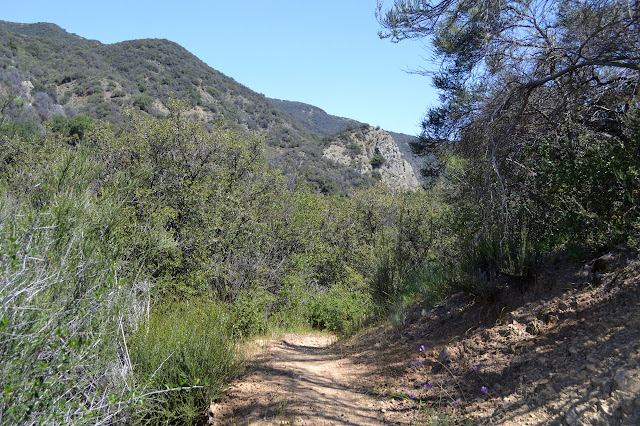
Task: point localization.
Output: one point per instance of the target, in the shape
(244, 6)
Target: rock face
(373, 151)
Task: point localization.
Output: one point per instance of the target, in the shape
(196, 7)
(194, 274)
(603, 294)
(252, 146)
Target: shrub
(344, 307)
(251, 312)
(73, 128)
(186, 349)
(62, 287)
(377, 161)
(144, 102)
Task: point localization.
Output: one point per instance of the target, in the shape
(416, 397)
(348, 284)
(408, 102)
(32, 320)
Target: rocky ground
(560, 348)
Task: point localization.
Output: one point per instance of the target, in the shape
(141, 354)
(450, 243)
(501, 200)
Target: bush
(186, 349)
(144, 102)
(251, 312)
(74, 128)
(377, 161)
(62, 288)
(343, 308)
(25, 130)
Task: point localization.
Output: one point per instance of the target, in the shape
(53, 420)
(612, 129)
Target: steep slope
(563, 348)
(373, 151)
(313, 118)
(95, 78)
(54, 73)
(347, 141)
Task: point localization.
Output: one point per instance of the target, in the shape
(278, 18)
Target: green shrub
(344, 307)
(251, 312)
(377, 161)
(25, 130)
(292, 309)
(186, 349)
(74, 128)
(62, 288)
(144, 102)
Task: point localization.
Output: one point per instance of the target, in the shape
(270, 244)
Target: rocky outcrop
(373, 151)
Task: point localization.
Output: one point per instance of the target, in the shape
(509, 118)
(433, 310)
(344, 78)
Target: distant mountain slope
(41, 29)
(372, 151)
(313, 118)
(322, 123)
(98, 79)
(57, 73)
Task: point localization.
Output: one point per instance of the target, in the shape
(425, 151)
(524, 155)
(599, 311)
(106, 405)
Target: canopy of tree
(528, 86)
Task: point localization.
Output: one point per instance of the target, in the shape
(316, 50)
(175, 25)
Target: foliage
(589, 184)
(342, 309)
(144, 102)
(65, 293)
(185, 346)
(71, 75)
(26, 130)
(251, 312)
(538, 104)
(377, 161)
(313, 118)
(73, 128)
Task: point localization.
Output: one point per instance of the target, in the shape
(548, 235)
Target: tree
(505, 64)
(73, 128)
(517, 74)
(504, 51)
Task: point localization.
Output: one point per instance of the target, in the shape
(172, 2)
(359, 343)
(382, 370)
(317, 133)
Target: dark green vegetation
(136, 252)
(70, 75)
(135, 256)
(538, 120)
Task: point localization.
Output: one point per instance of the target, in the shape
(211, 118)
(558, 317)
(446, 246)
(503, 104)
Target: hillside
(41, 29)
(315, 119)
(561, 349)
(372, 151)
(57, 73)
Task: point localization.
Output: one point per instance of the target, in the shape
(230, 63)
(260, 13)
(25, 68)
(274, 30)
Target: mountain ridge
(97, 80)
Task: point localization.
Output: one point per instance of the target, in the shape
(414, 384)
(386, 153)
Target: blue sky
(326, 53)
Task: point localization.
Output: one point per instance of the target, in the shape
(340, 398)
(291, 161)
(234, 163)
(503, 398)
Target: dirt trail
(298, 379)
(562, 348)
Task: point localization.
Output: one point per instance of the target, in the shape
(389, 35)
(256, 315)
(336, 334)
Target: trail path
(298, 379)
(562, 347)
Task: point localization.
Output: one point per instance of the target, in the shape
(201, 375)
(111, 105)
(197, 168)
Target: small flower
(412, 396)
(455, 402)
(483, 389)
(422, 349)
(420, 362)
(427, 385)
(475, 367)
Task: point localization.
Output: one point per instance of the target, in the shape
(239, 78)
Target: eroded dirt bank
(561, 348)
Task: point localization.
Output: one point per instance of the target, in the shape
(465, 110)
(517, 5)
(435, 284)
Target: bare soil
(560, 348)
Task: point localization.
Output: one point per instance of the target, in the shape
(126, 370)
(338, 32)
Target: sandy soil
(560, 348)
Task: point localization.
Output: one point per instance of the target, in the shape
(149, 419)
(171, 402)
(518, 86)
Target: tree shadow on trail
(300, 383)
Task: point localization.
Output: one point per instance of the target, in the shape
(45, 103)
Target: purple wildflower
(475, 367)
(483, 389)
(427, 385)
(412, 395)
(455, 402)
(420, 362)
(422, 349)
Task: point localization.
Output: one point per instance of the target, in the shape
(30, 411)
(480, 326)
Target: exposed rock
(627, 381)
(357, 148)
(445, 355)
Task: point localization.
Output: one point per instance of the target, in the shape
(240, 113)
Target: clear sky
(326, 53)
